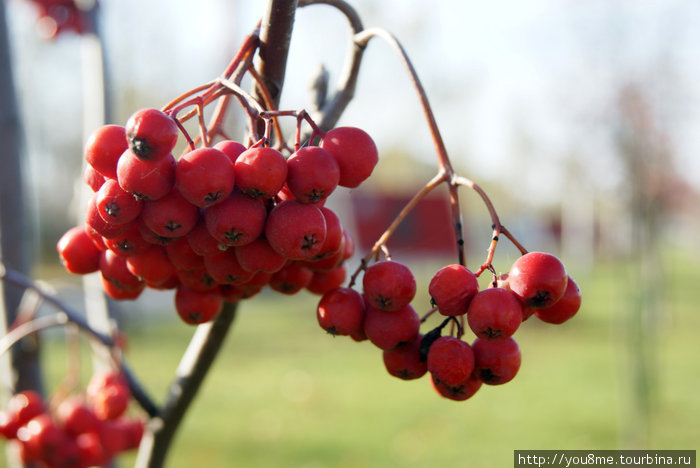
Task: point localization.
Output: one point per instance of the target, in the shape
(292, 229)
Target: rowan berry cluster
(537, 283)
(217, 224)
(80, 431)
(55, 17)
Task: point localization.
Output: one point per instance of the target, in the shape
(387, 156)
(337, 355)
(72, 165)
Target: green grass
(284, 393)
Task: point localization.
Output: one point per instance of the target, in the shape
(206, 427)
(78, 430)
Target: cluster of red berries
(81, 431)
(59, 16)
(537, 283)
(217, 224)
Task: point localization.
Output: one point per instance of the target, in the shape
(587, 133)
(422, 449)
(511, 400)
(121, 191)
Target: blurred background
(578, 118)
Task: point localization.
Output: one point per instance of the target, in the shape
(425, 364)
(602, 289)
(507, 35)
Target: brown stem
(362, 39)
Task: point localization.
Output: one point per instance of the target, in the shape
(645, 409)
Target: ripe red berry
(405, 361)
(291, 279)
(110, 401)
(312, 174)
(170, 216)
(260, 172)
(103, 149)
(152, 266)
(204, 176)
(197, 279)
(259, 256)
(334, 234)
(131, 243)
(116, 205)
(565, 308)
(452, 289)
(78, 252)
(195, 307)
(224, 268)
(450, 360)
(115, 271)
(461, 392)
(341, 311)
(494, 314)
(496, 362)
(25, 405)
(387, 330)
(202, 242)
(151, 133)
(150, 180)
(94, 179)
(323, 281)
(354, 151)
(538, 279)
(238, 220)
(182, 256)
(295, 230)
(231, 148)
(389, 285)
(75, 417)
(95, 222)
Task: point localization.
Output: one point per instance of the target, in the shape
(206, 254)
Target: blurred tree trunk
(15, 232)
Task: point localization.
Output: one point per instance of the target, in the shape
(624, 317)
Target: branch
(66, 315)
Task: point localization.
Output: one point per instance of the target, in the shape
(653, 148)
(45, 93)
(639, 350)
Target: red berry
(94, 179)
(291, 279)
(405, 361)
(115, 205)
(151, 133)
(129, 244)
(334, 234)
(149, 180)
(259, 256)
(494, 314)
(538, 279)
(354, 151)
(224, 268)
(110, 401)
(42, 438)
(195, 307)
(564, 308)
(238, 220)
(461, 392)
(389, 285)
(115, 271)
(452, 289)
(25, 405)
(450, 360)
(152, 266)
(202, 242)
(204, 176)
(182, 256)
(78, 252)
(95, 222)
(323, 281)
(260, 172)
(341, 311)
(231, 148)
(170, 216)
(387, 330)
(496, 362)
(312, 174)
(74, 415)
(197, 279)
(295, 230)
(103, 149)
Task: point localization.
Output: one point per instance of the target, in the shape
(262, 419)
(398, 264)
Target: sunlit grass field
(283, 393)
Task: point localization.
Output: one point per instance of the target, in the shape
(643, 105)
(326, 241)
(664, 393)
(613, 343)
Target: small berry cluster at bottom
(79, 432)
(537, 284)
